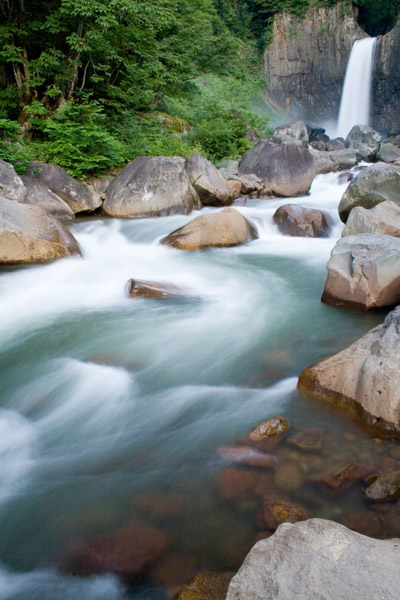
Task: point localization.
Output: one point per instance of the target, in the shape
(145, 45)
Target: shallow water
(112, 407)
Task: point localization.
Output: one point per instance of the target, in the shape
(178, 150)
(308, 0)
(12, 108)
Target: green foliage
(11, 148)
(378, 16)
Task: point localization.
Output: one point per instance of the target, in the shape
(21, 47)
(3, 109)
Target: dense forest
(90, 84)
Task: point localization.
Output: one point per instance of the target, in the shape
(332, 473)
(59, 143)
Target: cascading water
(356, 96)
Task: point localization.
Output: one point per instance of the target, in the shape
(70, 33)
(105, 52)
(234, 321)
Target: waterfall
(356, 95)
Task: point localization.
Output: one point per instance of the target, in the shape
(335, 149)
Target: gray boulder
(151, 186)
(28, 234)
(365, 140)
(377, 183)
(337, 160)
(295, 133)
(364, 376)
(287, 169)
(364, 272)
(38, 194)
(389, 153)
(301, 222)
(315, 560)
(79, 196)
(336, 144)
(382, 219)
(221, 229)
(11, 185)
(211, 186)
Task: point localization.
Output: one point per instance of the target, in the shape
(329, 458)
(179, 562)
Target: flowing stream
(356, 95)
(112, 408)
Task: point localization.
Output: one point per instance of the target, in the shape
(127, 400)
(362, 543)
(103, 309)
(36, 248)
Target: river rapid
(109, 402)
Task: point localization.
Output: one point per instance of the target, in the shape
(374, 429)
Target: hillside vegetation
(90, 84)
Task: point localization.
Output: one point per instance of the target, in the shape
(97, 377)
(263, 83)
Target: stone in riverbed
(288, 478)
(211, 186)
(276, 426)
(385, 488)
(245, 455)
(318, 559)
(207, 586)
(365, 140)
(307, 441)
(299, 221)
(217, 230)
(375, 184)
(364, 272)
(344, 479)
(281, 511)
(233, 484)
(152, 289)
(11, 185)
(28, 234)
(367, 523)
(382, 219)
(38, 194)
(365, 376)
(151, 186)
(389, 153)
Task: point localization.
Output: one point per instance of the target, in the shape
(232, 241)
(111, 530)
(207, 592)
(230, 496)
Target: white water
(356, 96)
(106, 399)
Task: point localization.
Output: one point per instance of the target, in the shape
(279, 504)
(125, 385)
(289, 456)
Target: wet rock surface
(152, 289)
(207, 586)
(382, 219)
(307, 441)
(301, 222)
(271, 428)
(385, 488)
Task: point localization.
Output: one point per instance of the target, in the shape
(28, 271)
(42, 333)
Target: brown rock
(301, 222)
(247, 456)
(235, 187)
(308, 441)
(365, 522)
(281, 511)
(125, 552)
(211, 186)
(152, 289)
(174, 568)
(222, 229)
(233, 483)
(270, 428)
(207, 586)
(344, 479)
(385, 488)
(382, 219)
(288, 478)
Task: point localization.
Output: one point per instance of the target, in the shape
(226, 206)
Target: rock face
(385, 116)
(296, 133)
(224, 228)
(364, 272)
(79, 196)
(287, 169)
(364, 376)
(306, 62)
(377, 183)
(28, 234)
(382, 219)
(301, 222)
(317, 559)
(208, 182)
(40, 195)
(150, 186)
(11, 185)
(365, 140)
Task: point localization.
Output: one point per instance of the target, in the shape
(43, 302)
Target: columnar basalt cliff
(386, 84)
(306, 62)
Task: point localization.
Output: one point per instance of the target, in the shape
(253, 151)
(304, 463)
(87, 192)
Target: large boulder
(150, 186)
(364, 272)
(211, 186)
(389, 153)
(79, 196)
(337, 160)
(224, 228)
(318, 559)
(11, 185)
(295, 133)
(287, 169)
(365, 376)
(382, 219)
(301, 222)
(38, 194)
(372, 185)
(29, 234)
(365, 140)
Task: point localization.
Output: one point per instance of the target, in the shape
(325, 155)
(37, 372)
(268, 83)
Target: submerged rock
(245, 455)
(344, 479)
(318, 559)
(385, 488)
(301, 222)
(233, 484)
(28, 234)
(365, 376)
(287, 169)
(270, 428)
(276, 512)
(151, 186)
(373, 185)
(207, 586)
(222, 229)
(307, 441)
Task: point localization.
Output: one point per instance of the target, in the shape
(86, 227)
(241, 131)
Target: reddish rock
(281, 511)
(152, 289)
(299, 221)
(385, 488)
(207, 586)
(233, 483)
(247, 456)
(344, 479)
(288, 478)
(270, 428)
(235, 187)
(308, 441)
(124, 552)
